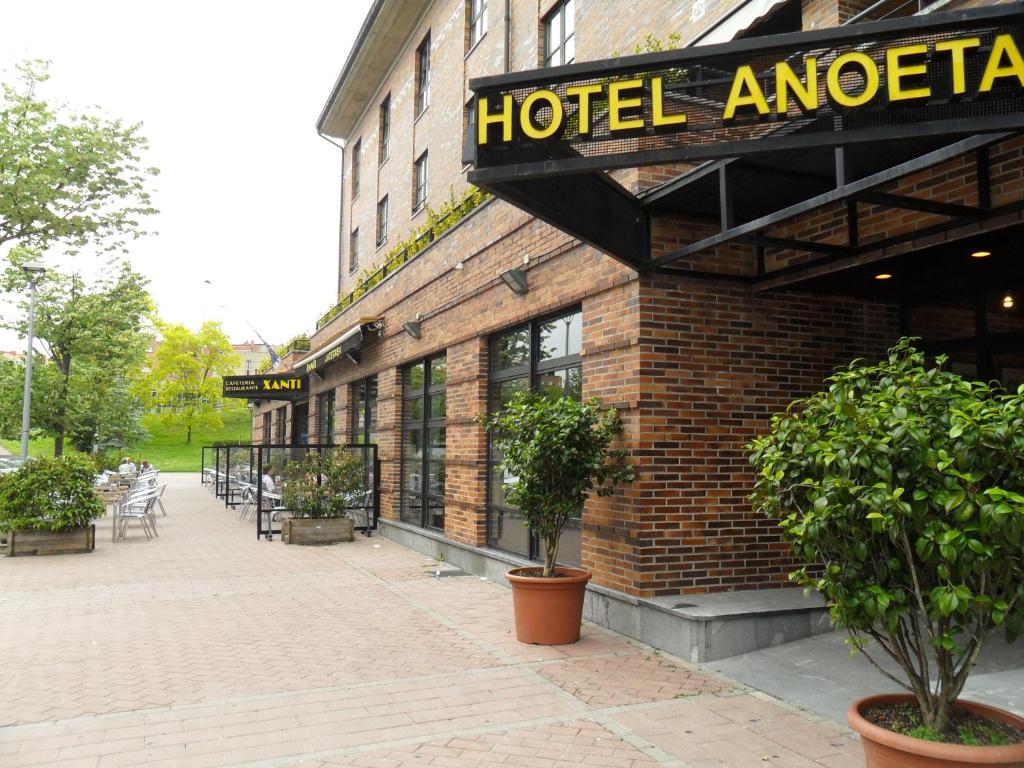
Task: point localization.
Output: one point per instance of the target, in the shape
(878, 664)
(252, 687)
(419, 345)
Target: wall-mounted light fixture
(516, 280)
(413, 328)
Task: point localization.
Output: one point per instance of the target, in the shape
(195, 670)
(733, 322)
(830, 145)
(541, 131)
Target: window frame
(419, 200)
(532, 370)
(325, 402)
(427, 427)
(353, 251)
(267, 427)
(384, 131)
(357, 163)
(383, 206)
(559, 12)
(476, 21)
(281, 427)
(422, 76)
(360, 402)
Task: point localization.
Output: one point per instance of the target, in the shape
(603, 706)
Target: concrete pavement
(206, 647)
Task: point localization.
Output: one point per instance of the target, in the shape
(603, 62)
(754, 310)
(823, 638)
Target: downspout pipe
(508, 36)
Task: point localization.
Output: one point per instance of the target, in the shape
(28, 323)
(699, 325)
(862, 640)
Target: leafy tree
(559, 450)
(186, 381)
(65, 178)
(905, 484)
(94, 334)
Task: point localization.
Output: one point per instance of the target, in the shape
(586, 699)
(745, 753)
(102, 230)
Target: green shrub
(905, 484)
(321, 484)
(49, 495)
(558, 449)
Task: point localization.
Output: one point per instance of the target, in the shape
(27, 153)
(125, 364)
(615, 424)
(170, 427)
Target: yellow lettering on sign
(266, 384)
(806, 90)
(895, 71)
(956, 49)
(616, 104)
(537, 100)
(485, 119)
(995, 70)
(835, 87)
(658, 116)
(746, 91)
(583, 93)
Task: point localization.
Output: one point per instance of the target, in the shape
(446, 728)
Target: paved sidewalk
(206, 647)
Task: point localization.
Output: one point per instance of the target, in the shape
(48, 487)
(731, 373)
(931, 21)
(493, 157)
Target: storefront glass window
(364, 411)
(424, 411)
(325, 417)
(543, 356)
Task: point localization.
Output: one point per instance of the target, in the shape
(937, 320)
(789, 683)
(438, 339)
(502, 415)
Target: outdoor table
(112, 497)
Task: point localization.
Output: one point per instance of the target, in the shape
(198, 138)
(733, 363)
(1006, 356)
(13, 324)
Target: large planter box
(69, 542)
(328, 530)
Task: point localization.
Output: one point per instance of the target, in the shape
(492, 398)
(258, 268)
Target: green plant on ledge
(437, 223)
(323, 483)
(558, 449)
(49, 495)
(905, 483)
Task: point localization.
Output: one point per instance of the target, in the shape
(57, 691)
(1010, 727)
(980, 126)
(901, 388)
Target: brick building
(451, 301)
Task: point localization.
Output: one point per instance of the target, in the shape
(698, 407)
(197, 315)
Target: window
(385, 130)
(423, 76)
(560, 35)
(477, 20)
(266, 429)
(544, 355)
(363, 396)
(423, 442)
(325, 417)
(357, 152)
(420, 191)
(281, 425)
(382, 221)
(353, 251)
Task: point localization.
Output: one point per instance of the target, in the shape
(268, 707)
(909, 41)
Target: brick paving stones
(207, 647)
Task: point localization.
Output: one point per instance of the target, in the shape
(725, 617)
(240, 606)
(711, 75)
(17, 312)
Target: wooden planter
(327, 530)
(69, 542)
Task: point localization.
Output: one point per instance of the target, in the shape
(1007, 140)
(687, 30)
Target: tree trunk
(60, 422)
(550, 556)
(188, 437)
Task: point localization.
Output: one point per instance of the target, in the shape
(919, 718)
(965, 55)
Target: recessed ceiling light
(1008, 301)
(882, 276)
(980, 254)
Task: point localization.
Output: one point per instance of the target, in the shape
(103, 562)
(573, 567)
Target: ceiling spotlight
(413, 328)
(883, 276)
(516, 280)
(1008, 301)
(980, 254)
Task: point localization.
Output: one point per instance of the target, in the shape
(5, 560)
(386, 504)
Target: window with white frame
(476, 19)
(420, 191)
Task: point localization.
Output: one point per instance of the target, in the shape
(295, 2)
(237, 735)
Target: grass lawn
(164, 448)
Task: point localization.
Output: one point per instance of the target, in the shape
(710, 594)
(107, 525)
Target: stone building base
(699, 628)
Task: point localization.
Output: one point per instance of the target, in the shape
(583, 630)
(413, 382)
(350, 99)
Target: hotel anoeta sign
(956, 74)
(269, 387)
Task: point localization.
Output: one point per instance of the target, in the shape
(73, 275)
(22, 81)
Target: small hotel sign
(270, 387)
(924, 75)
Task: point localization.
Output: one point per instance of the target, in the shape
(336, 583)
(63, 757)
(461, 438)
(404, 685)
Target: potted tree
(558, 450)
(316, 494)
(904, 484)
(48, 505)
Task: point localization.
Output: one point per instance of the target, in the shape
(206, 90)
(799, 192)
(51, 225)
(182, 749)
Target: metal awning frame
(853, 192)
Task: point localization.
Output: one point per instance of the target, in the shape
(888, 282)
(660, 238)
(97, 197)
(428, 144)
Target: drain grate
(446, 574)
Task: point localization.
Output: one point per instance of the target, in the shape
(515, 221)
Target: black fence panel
(207, 471)
(281, 463)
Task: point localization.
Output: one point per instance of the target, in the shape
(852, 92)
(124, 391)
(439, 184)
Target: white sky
(228, 94)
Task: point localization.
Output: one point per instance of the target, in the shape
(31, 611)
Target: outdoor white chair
(248, 506)
(139, 506)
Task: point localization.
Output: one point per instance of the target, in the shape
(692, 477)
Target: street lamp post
(34, 272)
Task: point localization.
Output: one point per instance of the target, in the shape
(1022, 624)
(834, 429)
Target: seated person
(269, 486)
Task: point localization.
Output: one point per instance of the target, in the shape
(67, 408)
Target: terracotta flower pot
(548, 611)
(887, 749)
